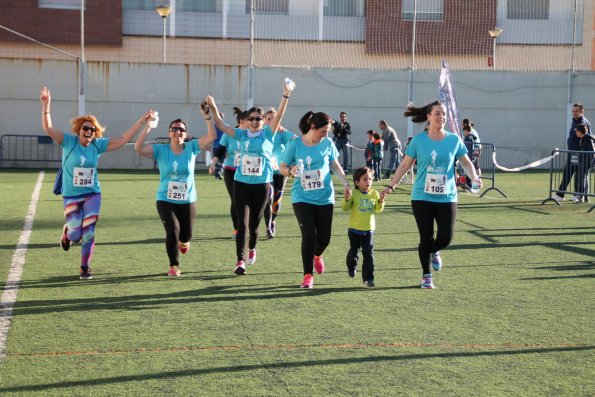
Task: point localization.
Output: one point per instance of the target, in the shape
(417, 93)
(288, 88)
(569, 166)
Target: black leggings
(177, 220)
(274, 205)
(315, 223)
(249, 200)
(228, 175)
(445, 215)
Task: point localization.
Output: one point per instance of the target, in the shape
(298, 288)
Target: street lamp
(163, 12)
(494, 33)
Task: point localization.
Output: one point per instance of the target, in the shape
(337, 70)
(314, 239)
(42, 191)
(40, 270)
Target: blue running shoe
(427, 282)
(436, 261)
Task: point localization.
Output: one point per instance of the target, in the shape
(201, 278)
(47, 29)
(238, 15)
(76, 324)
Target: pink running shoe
(174, 271)
(308, 281)
(240, 269)
(318, 264)
(184, 247)
(251, 257)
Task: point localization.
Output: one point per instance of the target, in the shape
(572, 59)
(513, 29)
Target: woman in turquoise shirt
(252, 180)
(81, 188)
(176, 194)
(310, 159)
(434, 194)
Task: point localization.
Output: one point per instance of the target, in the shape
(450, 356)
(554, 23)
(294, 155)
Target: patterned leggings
(81, 215)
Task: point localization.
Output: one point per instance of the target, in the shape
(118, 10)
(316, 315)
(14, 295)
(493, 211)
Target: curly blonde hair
(77, 123)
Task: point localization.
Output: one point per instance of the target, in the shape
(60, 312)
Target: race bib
(177, 191)
(237, 158)
(435, 183)
(311, 180)
(251, 165)
(83, 176)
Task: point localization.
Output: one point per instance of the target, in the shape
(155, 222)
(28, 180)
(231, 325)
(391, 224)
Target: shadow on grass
(239, 369)
(204, 295)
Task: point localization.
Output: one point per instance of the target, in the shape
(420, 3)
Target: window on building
(269, 6)
(196, 6)
(60, 4)
(528, 9)
(427, 10)
(344, 8)
(138, 5)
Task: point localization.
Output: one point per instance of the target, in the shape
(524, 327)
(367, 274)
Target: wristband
(45, 112)
(392, 188)
(285, 96)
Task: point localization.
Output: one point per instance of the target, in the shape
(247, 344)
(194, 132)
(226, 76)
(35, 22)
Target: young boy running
(363, 203)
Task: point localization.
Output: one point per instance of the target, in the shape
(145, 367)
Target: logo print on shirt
(434, 157)
(247, 145)
(83, 159)
(175, 166)
(309, 161)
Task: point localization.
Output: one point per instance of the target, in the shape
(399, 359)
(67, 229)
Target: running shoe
(184, 247)
(436, 261)
(65, 243)
(270, 234)
(369, 284)
(234, 235)
(427, 282)
(251, 257)
(556, 197)
(273, 228)
(308, 281)
(85, 274)
(240, 269)
(174, 271)
(318, 264)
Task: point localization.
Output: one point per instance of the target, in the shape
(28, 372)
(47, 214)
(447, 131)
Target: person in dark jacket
(578, 117)
(341, 132)
(584, 162)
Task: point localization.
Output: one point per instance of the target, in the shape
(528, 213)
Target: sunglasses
(174, 129)
(87, 128)
(251, 118)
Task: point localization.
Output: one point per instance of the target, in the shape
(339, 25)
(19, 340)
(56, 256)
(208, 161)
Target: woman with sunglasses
(252, 180)
(229, 148)
(311, 158)
(176, 194)
(81, 188)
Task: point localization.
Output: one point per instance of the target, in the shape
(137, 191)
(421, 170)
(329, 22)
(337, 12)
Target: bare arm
(117, 143)
(207, 115)
(338, 170)
(46, 121)
(140, 146)
(218, 121)
(405, 165)
(276, 122)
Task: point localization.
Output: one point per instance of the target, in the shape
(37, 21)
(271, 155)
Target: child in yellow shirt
(363, 204)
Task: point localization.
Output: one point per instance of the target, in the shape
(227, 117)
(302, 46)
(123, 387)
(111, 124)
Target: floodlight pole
(412, 69)
(250, 101)
(494, 33)
(163, 12)
(82, 64)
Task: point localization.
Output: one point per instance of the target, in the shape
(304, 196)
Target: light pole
(494, 33)
(163, 12)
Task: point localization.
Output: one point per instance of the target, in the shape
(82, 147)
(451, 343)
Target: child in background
(377, 155)
(363, 204)
(369, 149)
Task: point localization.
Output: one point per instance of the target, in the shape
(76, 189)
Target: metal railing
(568, 169)
(24, 150)
(484, 153)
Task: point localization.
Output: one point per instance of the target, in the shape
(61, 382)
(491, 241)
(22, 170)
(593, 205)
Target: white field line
(9, 296)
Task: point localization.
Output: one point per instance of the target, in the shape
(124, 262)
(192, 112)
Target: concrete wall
(523, 114)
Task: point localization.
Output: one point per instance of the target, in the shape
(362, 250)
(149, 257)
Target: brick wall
(387, 33)
(103, 22)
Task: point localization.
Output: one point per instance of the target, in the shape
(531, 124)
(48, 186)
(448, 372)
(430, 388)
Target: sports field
(511, 314)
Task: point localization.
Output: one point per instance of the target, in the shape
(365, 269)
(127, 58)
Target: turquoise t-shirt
(79, 166)
(280, 142)
(316, 185)
(435, 179)
(176, 172)
(232, 158)
(257, 150)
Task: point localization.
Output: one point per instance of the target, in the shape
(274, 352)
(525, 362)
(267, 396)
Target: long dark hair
(420, 115)
(311, 119)
(240, 114)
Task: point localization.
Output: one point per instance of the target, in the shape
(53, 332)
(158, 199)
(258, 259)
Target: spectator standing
(341, 132)
(572, 143)
(584, 162)
(392, 145)
(377, 156)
